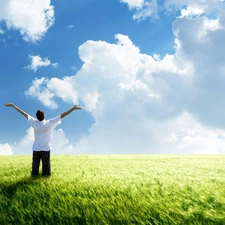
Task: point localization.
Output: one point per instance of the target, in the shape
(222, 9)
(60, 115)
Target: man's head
(40, 115)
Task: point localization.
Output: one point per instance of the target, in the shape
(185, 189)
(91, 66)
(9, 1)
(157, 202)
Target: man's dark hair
(40, 115)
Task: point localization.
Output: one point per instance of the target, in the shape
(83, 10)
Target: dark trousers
(37, 157)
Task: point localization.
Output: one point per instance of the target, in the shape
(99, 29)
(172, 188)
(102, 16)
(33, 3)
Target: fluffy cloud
(24, 146)
(152, 104)
(61, 144)
(5, 149)
(70, 26)
(63, 89)
(45, 90)
(184, 134)
(37, 62)
(180, 135)
(152, 8)
(31, 18)
(143, 8)
(200, 43)
(192, 10)
(133, 3)
(207, 6)
(43, 94)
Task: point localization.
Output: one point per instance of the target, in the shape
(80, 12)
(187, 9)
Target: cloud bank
(144, 9)
(5, 149)
(151, 103)
(31, 18)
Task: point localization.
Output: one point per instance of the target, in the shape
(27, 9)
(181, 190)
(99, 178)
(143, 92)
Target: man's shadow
(28, 190)
(10, 188)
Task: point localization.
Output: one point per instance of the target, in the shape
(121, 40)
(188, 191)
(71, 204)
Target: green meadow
(114, 189)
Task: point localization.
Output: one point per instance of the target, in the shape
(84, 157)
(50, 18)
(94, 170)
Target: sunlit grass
(114, 189)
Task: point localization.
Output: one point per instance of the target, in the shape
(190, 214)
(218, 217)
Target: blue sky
(149, 75)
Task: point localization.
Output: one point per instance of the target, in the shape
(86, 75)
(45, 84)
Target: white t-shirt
(43, 132)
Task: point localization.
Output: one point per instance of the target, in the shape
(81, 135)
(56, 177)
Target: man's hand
(9, 104)
(69, 111)
(77, 107)
(18, 109)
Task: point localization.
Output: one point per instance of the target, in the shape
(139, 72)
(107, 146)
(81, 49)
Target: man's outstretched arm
(69, 111)
(18, 109)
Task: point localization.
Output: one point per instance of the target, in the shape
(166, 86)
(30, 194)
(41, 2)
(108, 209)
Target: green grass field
(114, 189)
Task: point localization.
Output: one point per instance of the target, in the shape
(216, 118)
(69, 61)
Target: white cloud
(37, 62)
(200, 42)
(143, 8)
(1, 31)
(152, 104)
(61, 144)
(149, 9)
(74, 68)
(181, 135)
(31, 18)
(185, 134)
(24, 146)
(5, 149)
(63, 89)
(207, 5)
(133, 3)
(45, 90)
(70, 26)
(192, 10)
(43, 94)
(124, 90)
(55, 65)
(152, 8)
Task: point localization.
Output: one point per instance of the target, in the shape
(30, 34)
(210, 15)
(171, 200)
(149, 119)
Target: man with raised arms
(43, 135)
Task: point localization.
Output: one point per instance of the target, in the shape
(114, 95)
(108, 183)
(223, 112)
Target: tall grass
(114, 189)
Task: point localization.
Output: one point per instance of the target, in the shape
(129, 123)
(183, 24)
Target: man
(43, 135)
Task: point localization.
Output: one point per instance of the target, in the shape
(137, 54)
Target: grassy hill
(114, 189)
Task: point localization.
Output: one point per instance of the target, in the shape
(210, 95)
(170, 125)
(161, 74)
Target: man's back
(43, 132)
